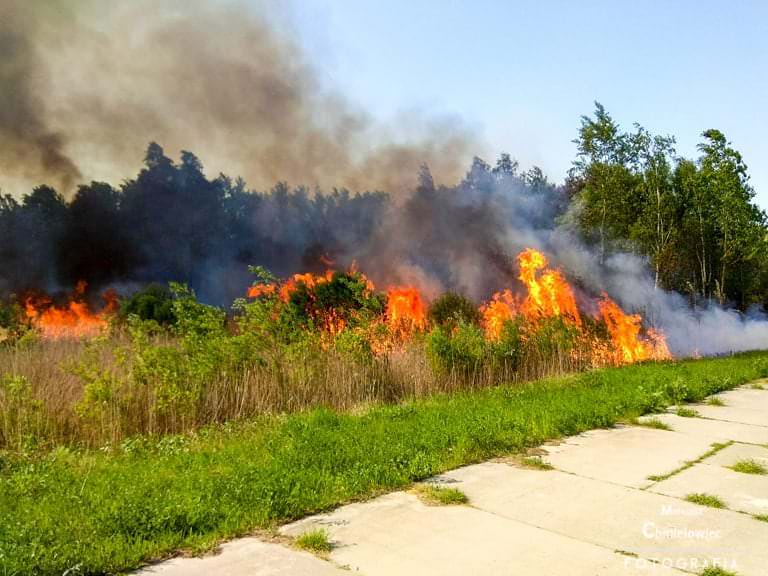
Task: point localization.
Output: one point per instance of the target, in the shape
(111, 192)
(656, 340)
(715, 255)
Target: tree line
(695, 220)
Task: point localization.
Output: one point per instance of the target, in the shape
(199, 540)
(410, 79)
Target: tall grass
(89, 392)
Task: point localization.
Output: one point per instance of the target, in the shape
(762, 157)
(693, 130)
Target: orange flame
(406, 312)
(548, 295)
(494, 314)
(74, 320)
(628, 345)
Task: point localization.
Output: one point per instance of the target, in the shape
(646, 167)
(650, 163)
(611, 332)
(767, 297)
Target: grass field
(104, 511)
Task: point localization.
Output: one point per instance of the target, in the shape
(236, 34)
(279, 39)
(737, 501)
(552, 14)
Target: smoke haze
(97, 80)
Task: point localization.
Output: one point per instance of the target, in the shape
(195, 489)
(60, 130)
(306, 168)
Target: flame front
(406, 312)
(73, 320)
(547, 295)
(628, 345)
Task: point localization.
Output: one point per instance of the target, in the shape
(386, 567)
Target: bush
(464, 349)
(452, 309)
(153, 302)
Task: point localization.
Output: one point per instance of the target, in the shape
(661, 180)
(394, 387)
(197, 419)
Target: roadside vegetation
(440, 495)
(93, 511)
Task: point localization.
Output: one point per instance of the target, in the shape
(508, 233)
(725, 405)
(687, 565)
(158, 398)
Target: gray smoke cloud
(97, 80)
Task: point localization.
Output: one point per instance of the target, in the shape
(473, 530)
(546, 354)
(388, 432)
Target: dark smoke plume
(30, 147)
(218, 77)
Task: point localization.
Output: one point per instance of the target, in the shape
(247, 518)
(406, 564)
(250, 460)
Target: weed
(714, 401)
(749, 467)
(433, 494)
(535, 463)
(687, 412)
(717, 571)
(316, 541)
(761, 517)
(705, 500)
(651, 423)
(715, 448)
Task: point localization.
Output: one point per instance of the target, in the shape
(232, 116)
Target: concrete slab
(715, 430)
(743, 492)
(247, 557)
(398, 534)
(621, 455)
(742, 405)
(654, 526)
(736, 452)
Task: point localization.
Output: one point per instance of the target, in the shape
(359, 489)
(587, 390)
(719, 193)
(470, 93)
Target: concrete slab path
(597, 513)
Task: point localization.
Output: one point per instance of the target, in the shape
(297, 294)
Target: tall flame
(549, 294)
(628, 345)
(406, 312)
(74, 320)
(494, 314)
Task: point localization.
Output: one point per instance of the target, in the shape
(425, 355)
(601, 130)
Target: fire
(548, 295)
(74, 320)
(628, 345)
(406, 312)
(494, 314)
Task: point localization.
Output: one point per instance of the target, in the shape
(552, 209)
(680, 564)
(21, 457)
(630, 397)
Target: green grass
(687, 412)
(651, 423)
(715, 448)
(749, 467)
(705, 500)
(761, 517)
(433, 494)
(316, 541)
(714, 401)
(535, 463)
(112, 510)
(717, 571)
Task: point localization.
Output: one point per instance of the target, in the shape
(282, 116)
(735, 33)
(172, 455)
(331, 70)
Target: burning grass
(88, 376)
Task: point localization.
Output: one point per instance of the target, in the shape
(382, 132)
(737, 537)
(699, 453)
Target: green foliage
(21, 413)
(441, 495)
(153, 302)
(464, 349)
(696, 221)
(705, 500)
(749, 467)
(316, 541)
(109, 511)
(450, 310)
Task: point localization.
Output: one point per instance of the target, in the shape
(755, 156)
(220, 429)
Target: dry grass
(80, 392)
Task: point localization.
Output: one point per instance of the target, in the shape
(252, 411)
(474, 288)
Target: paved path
(596, 514)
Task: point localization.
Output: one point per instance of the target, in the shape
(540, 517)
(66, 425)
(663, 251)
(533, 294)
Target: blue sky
(522, 73)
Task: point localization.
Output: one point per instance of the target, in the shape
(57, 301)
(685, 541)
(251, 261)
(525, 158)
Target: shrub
(463, 349)
(153, 302)
(452, 309)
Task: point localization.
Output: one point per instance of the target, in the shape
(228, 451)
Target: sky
(521, 73)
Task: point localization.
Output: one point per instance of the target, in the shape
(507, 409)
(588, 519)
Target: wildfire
(494, 314)
(74, 320)
(549, 294)
(628, 344)
(406, 312)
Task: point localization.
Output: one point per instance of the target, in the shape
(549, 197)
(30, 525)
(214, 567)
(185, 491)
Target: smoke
(97, 80)
(100, 79)
(30, 146)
